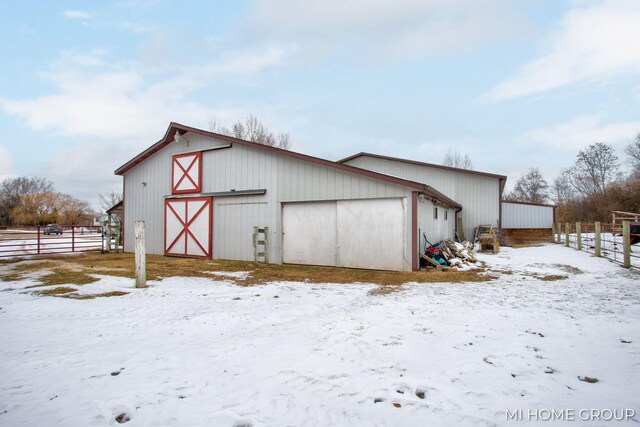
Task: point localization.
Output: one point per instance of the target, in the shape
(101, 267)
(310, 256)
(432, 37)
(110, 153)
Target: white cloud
(582, 131)
(592, 42)
(383, 29)
(119, 101)
(107, 113)
(6, 163)
(77, 14)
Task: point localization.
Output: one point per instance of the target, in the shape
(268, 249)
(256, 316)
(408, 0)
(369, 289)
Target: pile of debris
(448, 253)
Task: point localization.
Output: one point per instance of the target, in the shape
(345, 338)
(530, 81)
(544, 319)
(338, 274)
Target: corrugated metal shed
(527, 215)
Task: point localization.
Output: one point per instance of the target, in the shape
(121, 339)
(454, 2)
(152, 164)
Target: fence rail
(612, 241)
(23, 241)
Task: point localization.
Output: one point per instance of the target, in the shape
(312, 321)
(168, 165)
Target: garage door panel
(351, 233)
(309, 233)
(371, 234)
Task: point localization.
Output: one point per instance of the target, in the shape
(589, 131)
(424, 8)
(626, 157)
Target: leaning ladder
(261, 244)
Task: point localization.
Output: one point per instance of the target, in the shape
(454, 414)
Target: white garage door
(371, 234)
(309, 233)
(350, 233)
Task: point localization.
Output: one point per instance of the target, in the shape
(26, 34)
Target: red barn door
(188, 227)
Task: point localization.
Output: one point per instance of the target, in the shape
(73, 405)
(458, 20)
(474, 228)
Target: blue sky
(85, 86)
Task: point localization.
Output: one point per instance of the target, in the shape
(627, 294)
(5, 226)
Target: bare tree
(561, 190)
(531, 187)
(455, 159)
(13, 189)
(252, 129)
(72, 210)
(49, 207)
(595, 168)
(633, 151)
(37, 209)
(109, 200)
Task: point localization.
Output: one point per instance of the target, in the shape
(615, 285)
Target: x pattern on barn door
(186, 173)
(188, 227)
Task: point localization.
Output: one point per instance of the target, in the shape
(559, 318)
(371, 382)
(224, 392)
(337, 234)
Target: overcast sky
(85, 86)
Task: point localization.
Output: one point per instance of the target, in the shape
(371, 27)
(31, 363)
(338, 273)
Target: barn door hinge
(261, 244)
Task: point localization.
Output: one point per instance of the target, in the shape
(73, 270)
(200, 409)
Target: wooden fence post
(566, 232)
(559, 229)
(579, 236)
(141, 261)
(626, 241)
(598, 239)
(553, 232)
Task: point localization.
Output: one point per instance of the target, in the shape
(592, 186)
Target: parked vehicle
(53, 229)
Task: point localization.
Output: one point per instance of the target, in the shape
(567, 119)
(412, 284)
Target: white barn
(202, 194)
(480, 193)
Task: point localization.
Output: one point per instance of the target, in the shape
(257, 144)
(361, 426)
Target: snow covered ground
(206, 352)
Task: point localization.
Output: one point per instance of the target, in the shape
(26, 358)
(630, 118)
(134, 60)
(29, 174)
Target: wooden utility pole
(141, 259)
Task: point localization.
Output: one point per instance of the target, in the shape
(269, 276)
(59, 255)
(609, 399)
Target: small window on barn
(435, 213)
(446, 215)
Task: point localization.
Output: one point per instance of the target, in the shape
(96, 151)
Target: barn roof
(175, 127)
(415, 162)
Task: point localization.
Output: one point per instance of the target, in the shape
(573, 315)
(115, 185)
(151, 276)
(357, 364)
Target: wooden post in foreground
(626, 241)
(598, 239)
(566, 232)
(579, 236)
(141, 259)
(553, 232)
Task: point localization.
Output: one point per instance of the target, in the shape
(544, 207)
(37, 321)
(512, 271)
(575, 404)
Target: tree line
(589, 189)
(34, 201)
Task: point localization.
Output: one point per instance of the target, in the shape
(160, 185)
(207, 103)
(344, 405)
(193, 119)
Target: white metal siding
(435, 230)
(286, 179)
(479, 195)
(516, 215)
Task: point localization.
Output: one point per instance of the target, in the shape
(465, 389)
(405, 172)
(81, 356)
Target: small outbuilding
(524, 223)
(207, 195)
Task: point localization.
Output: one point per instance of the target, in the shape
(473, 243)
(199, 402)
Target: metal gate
(21, 241)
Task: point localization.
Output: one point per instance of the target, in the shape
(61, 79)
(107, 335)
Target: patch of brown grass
(11, 277)
(57, 291)
(385, 290)
(550, 277)
(93, 296)
(65, 276)
(159, 267)
(22, 268)
(31, 266)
